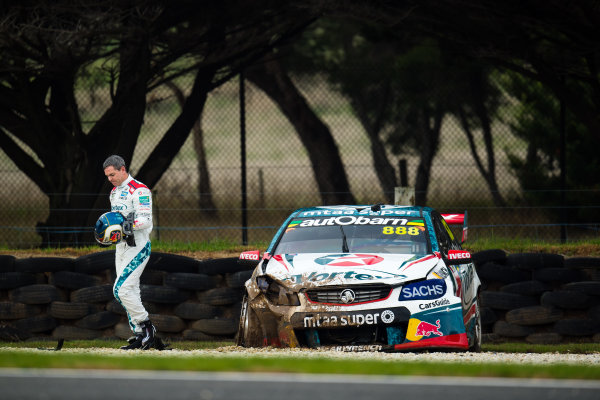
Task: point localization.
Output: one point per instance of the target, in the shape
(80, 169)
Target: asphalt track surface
(131, 385)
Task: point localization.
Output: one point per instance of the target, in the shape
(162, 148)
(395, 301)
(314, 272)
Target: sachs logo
(349, 260)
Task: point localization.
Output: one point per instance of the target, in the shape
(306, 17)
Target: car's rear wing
(458, 219)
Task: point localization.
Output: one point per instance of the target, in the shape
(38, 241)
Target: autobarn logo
(425, 290)
(348, 220)
(349, 319)
(349, 260)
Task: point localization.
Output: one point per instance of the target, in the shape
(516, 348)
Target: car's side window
(444, 239)
(454, 244)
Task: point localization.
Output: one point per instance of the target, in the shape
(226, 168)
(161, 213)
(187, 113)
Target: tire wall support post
(563, 172)
(156, 214)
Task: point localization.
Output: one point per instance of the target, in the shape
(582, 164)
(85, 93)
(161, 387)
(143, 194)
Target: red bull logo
(115, 237)
(418, 329)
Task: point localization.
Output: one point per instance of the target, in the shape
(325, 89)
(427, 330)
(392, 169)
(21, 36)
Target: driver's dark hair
(114, 161)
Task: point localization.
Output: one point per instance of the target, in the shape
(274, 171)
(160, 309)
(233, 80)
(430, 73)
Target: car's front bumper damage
(378, 326)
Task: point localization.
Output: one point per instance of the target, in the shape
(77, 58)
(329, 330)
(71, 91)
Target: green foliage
(215, 245)
(537, 121)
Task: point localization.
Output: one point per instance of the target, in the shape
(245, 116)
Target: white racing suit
(132, 196)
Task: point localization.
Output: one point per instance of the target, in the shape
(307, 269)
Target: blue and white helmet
(109, 228)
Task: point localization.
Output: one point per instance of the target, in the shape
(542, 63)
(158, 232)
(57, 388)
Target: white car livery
(363, 278)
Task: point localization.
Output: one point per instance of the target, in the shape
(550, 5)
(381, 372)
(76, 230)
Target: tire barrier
(12, 280)
(547, 299)
(72, 298)
(7, 263)
(531, 297)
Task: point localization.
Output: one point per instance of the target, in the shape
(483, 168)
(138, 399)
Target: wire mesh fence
(199, 197)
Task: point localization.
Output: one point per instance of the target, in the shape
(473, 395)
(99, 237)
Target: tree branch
(24, 162)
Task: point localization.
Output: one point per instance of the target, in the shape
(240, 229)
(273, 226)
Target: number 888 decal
(401, 230)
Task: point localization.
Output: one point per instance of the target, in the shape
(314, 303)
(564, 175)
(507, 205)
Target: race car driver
(134, 201)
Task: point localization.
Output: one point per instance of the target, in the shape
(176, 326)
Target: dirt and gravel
(434, 357)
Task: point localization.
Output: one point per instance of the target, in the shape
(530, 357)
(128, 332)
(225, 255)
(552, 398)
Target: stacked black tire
(533, 297)
(539, 298)
(55, 297)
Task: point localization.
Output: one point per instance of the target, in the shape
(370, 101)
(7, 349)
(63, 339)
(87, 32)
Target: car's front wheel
(475, 336)
(249, 331)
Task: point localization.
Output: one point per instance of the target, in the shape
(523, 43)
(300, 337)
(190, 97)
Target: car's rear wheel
(475, 337)
(249, 332)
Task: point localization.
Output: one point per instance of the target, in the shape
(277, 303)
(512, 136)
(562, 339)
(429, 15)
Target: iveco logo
(347, 296)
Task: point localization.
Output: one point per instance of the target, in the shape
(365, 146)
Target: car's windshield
(354, 234)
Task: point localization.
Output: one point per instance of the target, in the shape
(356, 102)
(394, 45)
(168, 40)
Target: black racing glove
(128, 230)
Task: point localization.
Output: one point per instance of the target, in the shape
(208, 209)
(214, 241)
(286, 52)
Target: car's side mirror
(249, 258)
(456, 257)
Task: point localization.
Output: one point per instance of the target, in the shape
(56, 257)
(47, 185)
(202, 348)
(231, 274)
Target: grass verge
(13, 357)
(585, 248)
(227, 248)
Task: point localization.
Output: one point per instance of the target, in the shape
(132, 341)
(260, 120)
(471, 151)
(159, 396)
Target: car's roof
(379, 209)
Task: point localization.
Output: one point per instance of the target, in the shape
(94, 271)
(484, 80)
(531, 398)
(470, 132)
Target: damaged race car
(363, 278)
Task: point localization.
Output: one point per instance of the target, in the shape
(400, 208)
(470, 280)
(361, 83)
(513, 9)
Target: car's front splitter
(451, 342)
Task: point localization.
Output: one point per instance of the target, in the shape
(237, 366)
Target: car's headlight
(276, 293)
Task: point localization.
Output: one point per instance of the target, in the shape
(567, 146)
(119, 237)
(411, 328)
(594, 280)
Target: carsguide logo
(425, 290)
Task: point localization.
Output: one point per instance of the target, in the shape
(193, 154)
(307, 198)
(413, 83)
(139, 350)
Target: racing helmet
(109, 228)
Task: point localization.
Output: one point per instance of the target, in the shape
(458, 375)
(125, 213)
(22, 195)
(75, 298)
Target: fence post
(261, 188)
(243, 159)
(156, 214)
(404, 196)
(403, 172)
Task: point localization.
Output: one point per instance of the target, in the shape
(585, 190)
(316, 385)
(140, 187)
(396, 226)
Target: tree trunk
(170, 144)
(385, 172)
(430, 138)
(488, 175)
(205, 199)
(323, 153)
